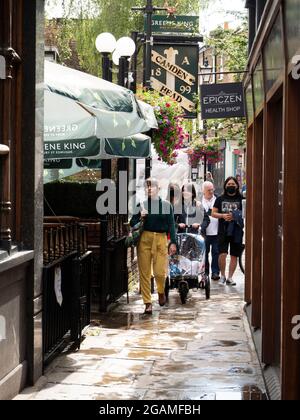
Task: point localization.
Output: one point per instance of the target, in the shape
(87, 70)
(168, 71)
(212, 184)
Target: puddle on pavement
(226, 343)
(241, 370)
(124, 320)
(145, 354)
(99, 352)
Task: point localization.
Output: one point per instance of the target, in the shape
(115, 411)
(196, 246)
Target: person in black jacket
(228, 209)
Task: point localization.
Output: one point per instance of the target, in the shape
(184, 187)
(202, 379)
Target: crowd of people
(218, 219)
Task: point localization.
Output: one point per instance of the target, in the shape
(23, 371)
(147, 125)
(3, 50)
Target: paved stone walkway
(201, 350)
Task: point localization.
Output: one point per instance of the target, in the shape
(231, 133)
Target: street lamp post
(206, 72)
(106, 44)
(125, 49)
(148, 10)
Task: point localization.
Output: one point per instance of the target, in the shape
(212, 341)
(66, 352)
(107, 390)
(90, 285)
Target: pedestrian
(230, 227)
(174, 194)
(152, 250)
(209, 230)
(190, 217)
(239, 180)
(209, 177)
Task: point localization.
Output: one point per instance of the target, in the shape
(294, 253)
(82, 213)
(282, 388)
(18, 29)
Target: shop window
(258, 85)
(274, 54)
(292, 22)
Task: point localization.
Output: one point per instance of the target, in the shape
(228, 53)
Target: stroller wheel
(202, 283)
(207, 289)
(183, 289)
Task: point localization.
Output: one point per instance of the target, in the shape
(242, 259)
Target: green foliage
(233, 45)
(85, 19)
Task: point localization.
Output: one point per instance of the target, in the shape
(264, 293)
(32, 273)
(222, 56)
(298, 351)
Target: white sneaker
(230, 282)
(222, 281)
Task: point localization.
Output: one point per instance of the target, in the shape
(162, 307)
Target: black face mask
(231, 190)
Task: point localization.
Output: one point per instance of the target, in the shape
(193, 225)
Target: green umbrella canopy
(69, 129)
(115, 108)
(70, 132)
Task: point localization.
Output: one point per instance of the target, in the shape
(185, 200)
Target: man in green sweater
(158, 222)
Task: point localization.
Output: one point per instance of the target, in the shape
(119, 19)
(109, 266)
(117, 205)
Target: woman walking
(158, 222)
(190, 216)
(228, 209)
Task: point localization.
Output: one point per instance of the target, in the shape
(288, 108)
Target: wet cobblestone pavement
(199, 351)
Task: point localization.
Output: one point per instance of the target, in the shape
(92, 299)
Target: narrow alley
(200, 351)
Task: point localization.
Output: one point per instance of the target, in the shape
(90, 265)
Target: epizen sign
(175, 74)
(225, 100)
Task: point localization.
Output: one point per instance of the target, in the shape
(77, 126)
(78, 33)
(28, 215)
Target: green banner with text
(175, 24)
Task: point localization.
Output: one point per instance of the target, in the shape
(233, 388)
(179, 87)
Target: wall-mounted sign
(174, 24)
(175, 74)
(224, 100)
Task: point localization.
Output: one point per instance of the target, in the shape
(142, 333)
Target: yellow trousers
(152, 252)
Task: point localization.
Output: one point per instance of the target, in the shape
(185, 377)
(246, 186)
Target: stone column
(32, 168)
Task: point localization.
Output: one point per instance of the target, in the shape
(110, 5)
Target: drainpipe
(260, 7)
(251, 6)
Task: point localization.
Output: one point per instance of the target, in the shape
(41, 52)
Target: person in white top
(210, 229)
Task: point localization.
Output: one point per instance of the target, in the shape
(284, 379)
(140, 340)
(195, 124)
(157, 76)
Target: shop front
(272, 88)
(21, 193)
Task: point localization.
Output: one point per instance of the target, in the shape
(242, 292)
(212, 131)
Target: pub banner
(224, 100)
(175, 74)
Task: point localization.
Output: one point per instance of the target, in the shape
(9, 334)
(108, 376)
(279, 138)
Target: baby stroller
(187, 269)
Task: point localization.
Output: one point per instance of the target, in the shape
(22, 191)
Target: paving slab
(199, 351)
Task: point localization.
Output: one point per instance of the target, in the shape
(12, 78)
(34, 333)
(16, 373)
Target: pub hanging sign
(174, 24)
(224, 100)
(175, 74)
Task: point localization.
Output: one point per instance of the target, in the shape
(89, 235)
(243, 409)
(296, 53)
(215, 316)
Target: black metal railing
(57, 279)
(66, 285)
(81, 296)
(114, 282)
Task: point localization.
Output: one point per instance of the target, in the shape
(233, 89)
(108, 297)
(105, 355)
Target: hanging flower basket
(170, 135)
(200, 150)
